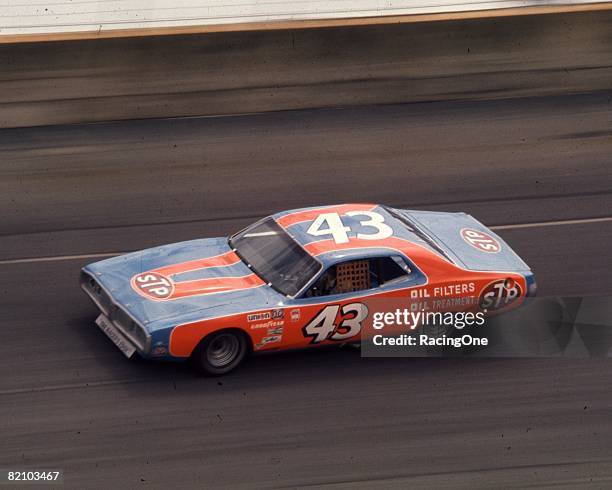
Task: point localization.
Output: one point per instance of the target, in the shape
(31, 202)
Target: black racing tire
(220, 352)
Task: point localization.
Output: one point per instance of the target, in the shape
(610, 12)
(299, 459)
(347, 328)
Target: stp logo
(480, 240)
(152, 285)
(499, 294)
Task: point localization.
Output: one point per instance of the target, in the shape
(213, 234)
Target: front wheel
(220, 353)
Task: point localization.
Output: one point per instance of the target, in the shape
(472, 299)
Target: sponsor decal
(257, 317)
(453, 289)
(268, 324)
(153, 285)
(480, 240)
(295, 315)
(271, 339)
(265, 315)
(499, 294)
(159, 284)
(159, 349)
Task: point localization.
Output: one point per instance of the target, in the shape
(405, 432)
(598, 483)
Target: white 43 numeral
(323, 326)
(335, 227)
(339, 232)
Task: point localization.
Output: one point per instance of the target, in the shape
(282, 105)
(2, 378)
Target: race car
(295, 279)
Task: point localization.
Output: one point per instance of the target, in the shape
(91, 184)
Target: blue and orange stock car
(295, 279)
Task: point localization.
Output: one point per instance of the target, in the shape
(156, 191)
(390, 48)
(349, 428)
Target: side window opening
(359, 275)
(393, 268)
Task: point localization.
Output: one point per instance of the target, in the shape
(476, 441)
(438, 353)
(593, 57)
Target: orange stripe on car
(215, 285)
(226, 259)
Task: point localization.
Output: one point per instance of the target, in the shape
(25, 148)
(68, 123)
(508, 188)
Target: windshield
(275, 257)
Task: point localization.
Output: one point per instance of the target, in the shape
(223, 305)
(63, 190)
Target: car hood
(178, 283)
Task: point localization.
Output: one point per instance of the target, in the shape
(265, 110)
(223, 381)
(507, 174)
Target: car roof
(358, 220)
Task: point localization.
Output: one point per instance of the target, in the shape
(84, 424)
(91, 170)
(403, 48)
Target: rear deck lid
(469, 243)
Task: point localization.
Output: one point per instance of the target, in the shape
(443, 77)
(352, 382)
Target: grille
(125, 323)
(115, 314)
(98, 294)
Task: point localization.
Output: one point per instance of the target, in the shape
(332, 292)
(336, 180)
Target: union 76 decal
(325, 327)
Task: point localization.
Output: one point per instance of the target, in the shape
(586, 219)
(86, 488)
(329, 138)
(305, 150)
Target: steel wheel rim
(223, 350)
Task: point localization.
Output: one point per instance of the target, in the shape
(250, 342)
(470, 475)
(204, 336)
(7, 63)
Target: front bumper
(116, 336)
(125, 332)
(531, 284)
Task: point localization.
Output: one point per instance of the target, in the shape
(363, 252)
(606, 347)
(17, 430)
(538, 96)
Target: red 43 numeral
(324, 326)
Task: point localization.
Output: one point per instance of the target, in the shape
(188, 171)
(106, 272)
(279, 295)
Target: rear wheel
(220, 352)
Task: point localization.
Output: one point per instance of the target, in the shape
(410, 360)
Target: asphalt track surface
(326, 418)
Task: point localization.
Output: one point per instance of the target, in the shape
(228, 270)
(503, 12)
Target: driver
(328, 282)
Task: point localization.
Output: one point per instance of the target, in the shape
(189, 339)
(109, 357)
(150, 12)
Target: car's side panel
(294, 325)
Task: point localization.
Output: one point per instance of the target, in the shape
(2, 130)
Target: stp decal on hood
(161, 284)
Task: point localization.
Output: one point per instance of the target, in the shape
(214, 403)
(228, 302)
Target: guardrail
(41, 20)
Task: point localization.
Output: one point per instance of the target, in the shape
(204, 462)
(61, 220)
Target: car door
(333, 308)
